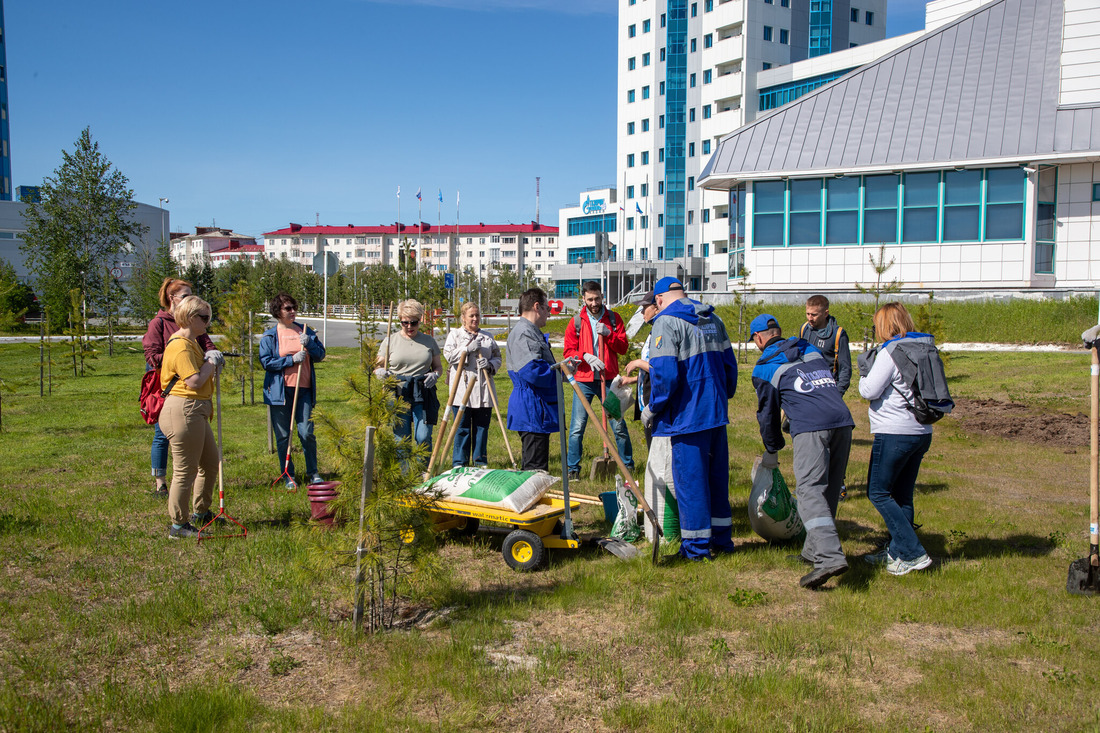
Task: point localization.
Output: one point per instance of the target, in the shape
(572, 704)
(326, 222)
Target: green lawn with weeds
(105, 623)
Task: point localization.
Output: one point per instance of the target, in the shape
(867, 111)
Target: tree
(876, 291)
(82, 221)
(16, 298)
(150, 270)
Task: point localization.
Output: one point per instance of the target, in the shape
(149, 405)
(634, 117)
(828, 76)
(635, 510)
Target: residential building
(687, 75)
(970, 153)
(214, 245)
(5, 130)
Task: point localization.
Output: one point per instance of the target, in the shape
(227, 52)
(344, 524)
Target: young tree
(876, 291)
(81, 222)
(150, 269)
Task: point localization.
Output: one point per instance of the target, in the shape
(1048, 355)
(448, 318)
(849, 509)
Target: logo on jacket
(807, 382)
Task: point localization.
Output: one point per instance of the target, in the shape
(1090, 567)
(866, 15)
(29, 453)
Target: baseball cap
(666, 284)
(762, 322)
(648, 299)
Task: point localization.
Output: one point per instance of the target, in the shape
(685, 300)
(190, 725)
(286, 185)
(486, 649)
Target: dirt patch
(1015, 421)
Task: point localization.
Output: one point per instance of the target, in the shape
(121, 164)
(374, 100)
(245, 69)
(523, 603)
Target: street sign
(319, 261)
(449, 280)
(116, 272)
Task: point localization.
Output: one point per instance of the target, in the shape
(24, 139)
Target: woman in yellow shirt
(185, 419)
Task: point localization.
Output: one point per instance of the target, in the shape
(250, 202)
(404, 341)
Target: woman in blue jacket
(288, 352)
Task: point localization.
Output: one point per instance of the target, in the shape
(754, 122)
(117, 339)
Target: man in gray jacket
(826, 335)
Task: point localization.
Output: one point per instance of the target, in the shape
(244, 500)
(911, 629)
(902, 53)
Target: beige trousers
(186, 424)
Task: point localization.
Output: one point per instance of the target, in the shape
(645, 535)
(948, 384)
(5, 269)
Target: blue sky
(255, 114)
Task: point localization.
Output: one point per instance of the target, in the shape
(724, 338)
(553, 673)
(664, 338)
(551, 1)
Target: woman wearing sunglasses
(413, 359)
(288, 352)
(185, 418)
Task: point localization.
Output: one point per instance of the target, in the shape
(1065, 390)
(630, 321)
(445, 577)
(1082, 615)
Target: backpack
(804, 332)
(925, 413)
(151, 397)
(921, 368)
(612, 315)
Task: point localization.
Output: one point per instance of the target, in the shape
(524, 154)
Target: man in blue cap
(793, 377)
(693, 374)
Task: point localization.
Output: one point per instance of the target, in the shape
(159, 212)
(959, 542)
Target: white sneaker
(882, 557)
(897, 566)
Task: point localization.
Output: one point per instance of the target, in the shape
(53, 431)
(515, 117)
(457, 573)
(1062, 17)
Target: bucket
(319, 497)
(610, 505)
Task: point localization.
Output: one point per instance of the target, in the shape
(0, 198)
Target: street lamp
(163, 201)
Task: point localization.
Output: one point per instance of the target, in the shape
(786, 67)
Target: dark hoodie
(834, 349)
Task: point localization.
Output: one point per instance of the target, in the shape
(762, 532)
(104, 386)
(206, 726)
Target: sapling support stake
(368, 485)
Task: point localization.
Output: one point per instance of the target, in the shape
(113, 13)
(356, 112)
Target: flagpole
(458, 247)
(420, 225)
(399, 247)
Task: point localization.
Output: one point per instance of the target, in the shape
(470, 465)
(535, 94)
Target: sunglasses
(204, 316)
(290, 309)
(410, 323)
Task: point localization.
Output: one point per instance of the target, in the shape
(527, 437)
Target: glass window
(645, 157)
(767, 33)
(632, 31)
(630, 62)
(921, 207)
(706, 111)
(645, 190)
(842, 210)
(880, 204)
(660, 155)
(630, 128)
(645, 92)
(645, 125)
(962, 198)
(661, 186)
(693, 42)
(694, 9)
(706, 145)
(662, 54)
(784, 35)
(661, 88)
(707, 76)
(1046, 198)
(855, 15)
(691, 183)
(691, 115)
(629, 96)
(706, 215)
(805, 212)
(691, 150)
(664, 19)
(691, 81)
(708, 6)
(630, 160)
(645, 59)
(630, 223)
(869, 17)
(645, 26)
(630, 192)
(708, 40)
(768, 206)
(661, 122)
(1004, 203)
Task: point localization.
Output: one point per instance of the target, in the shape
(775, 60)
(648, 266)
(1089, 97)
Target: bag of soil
(773, 512)
(625, 526)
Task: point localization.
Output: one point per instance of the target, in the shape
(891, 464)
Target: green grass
(106, 624)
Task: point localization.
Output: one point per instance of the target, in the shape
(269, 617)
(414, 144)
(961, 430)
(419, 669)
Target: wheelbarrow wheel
(523, 550)
(469, 529)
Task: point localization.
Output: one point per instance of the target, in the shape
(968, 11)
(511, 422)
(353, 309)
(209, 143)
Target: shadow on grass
(9, 524)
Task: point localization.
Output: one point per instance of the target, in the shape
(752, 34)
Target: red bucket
(319, 497)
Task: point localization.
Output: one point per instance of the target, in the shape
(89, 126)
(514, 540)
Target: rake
(225, 517)
(285, 475)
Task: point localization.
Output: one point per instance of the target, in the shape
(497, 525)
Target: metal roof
(984, 88)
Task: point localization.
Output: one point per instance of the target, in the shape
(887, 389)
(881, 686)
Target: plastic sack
(499, 488)
(773, 512)
(617, 396)
(659, 490)
(625, 526)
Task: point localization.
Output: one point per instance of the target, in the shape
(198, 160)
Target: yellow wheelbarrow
(533, 532)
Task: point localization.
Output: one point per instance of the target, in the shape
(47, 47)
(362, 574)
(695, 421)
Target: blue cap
(762, 322)
(665, 284)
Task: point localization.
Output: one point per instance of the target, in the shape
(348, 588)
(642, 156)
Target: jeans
(411, 422)
(477, 420)
(280, 422)
(579, 421)
(820, 462)
(895, 461)
(158, 456)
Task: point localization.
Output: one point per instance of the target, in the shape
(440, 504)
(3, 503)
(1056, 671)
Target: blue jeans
(158, 456)
(895, 461)
(478, 419)
(579, 420)
(280, 422)
(411, 422)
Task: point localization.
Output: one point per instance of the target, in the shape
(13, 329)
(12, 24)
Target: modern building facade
(5, 130)
(687, 76)
(214, 245)
(972, 154)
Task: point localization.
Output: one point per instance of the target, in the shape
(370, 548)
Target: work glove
(299, 357)
(1091, 337)
(429, 379)
(770, 459)
(595, 362)
(571, 362)
(303, 339)
(381, 373)
(473, 346)
(483, 363)
(866, 360)
(215, 357)
(602, 330)
(647, 418)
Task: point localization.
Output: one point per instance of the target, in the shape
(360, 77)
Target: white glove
(483, 363)
(473, 346)
(1091, 336)
(299, 357)
(647, 418)
(595, 362)
(769, 460)
(215, 357)
(381, 373)
(429, 379)
(572, 362)
(602, 330)
(303, 339)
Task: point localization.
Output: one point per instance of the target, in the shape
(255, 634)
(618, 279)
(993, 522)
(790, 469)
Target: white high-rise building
(687, 77)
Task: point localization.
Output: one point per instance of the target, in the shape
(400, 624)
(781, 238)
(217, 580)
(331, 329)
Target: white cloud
(568, 7)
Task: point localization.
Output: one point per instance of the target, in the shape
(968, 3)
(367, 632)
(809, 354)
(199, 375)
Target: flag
(638, 207)
(418, 195)
(441, 195)
(458, 198)
(398, 192)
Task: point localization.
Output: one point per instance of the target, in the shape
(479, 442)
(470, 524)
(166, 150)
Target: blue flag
(441, 195)
(638, 207)
(418, 195)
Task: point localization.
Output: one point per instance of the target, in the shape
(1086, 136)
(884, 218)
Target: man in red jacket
(596, 337)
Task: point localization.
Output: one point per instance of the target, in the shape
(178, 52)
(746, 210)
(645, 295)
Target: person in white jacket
(899, 445)
(482, 362)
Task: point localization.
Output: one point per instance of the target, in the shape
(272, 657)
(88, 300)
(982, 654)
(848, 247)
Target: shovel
(602, 468)
(1083, 573)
